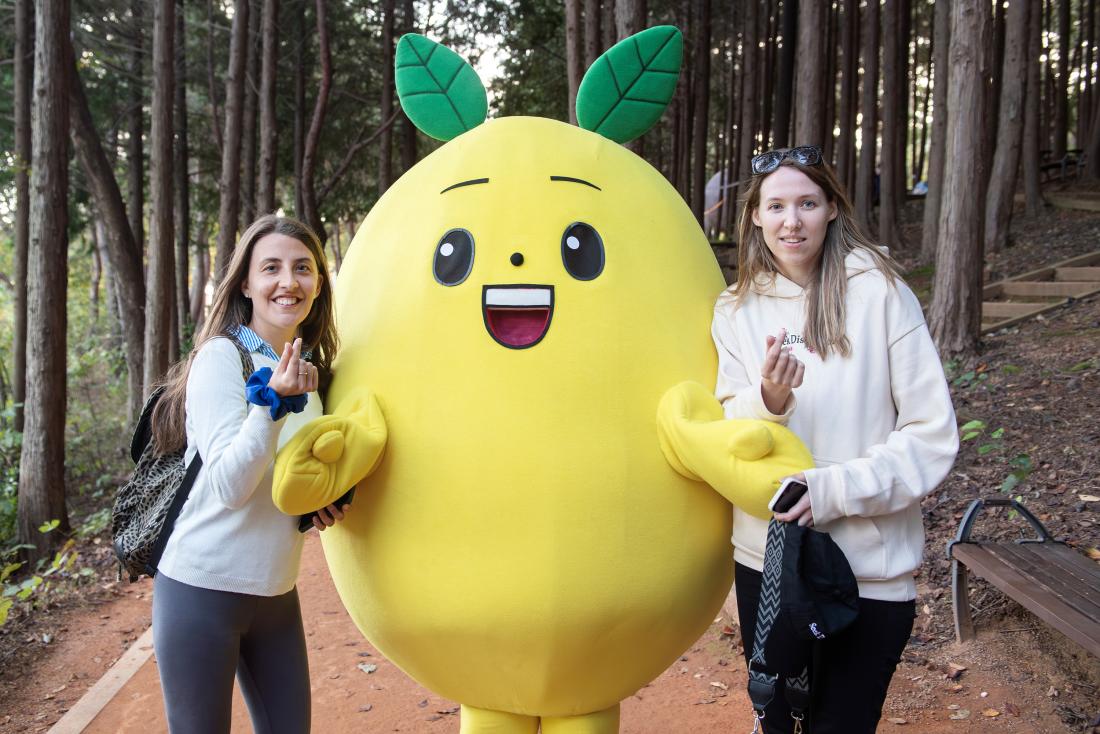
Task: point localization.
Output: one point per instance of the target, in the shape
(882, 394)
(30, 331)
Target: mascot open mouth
(517, 316)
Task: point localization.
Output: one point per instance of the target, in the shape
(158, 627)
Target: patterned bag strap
(761, 683)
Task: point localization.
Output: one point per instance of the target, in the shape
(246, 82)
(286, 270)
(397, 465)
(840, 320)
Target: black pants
(850, 672)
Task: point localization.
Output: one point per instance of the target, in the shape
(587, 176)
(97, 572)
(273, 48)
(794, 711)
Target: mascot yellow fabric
(529, 537)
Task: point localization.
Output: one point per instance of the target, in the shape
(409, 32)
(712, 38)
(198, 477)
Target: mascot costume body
(524, 319)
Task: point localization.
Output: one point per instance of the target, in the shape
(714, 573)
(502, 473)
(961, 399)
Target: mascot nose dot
(517, 258)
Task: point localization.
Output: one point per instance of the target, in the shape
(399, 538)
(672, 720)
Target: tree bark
(849, 88)
(592, 39)
(309, 153)
(809, 116)
(24, 80)
(748, 101)
(1006, 156)
(159, 292)
(630, 17)
(941, 30)
(892, 122)
(573, 49)
(784, 83)
(249, 119)
(1032, 143)
(42, 460)
(182, 184)
(955, 315)
(124, 254)
(1061, 91)
(385, 141)
(211, 87)
(135, 152)
(865, 176)
(200, 272)
(409, 152)
(300, 60)
(701, 113)
(265, 187)
(229, 185)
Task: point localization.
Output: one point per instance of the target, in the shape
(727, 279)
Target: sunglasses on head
(804, 155)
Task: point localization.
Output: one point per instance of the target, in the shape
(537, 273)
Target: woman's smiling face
(793, 216)
(282, 282)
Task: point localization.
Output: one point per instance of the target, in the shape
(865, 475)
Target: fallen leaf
(960, 715)
(367, 667)
(1093, 553)
(897, 720)
(956, 688)
(953, 707)
(718, 684)
(1052, 692)
(1012, 708)
(990, 713)
(1089, 498)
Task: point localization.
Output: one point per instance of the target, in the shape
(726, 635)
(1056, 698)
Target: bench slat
(1085, 571)
(1038, 563)
(1041, 602)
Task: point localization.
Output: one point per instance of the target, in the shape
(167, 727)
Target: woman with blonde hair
(819, 333)
(224, 597)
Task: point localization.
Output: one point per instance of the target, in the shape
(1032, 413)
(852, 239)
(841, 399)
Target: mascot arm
(329, 455)
(744, 460)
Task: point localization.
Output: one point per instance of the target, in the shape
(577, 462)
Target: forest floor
(1036, 389)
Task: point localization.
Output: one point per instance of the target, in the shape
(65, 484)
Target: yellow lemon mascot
(519, 399)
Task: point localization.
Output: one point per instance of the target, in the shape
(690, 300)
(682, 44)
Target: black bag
(147, 506)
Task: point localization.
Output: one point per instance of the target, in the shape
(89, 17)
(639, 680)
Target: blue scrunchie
(260, 394)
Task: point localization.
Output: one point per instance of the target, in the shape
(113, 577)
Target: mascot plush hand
(529, 537)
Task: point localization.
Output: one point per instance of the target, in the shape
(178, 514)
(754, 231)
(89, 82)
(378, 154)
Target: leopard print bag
(148, 504)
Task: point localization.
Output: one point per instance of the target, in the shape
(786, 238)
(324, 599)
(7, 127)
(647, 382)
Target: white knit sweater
(879, 422)
(229, 535)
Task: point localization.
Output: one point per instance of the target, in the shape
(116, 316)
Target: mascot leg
(483, 721)
(600, 722)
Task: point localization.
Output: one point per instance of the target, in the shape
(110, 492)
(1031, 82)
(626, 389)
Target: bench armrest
(967, 523)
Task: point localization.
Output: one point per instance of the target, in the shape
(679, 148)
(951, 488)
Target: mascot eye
(582, 251)
(454, 257)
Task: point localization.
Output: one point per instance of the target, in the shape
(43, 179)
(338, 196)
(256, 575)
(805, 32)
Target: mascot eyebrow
(570, 179)
(471, 182)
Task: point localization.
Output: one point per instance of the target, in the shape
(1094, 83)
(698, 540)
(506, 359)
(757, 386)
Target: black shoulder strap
(189, 476)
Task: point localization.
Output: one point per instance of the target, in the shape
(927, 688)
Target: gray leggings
(203, 636)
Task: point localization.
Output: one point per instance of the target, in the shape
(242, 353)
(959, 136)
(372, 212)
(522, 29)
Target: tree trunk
(955, 315)
(573, 59)
(159, 292)
(1006, 157)
(902, 82)
(1061, 90)
(265, 186)
(135, 154)
(124, 254)
(607, 24)
(766, 84)
(630, 17)
(828, 85)
(42, 461)
(748, 101)
(337, 256)
(110, 292)
(892, 122)
(182, 184)
(385, 141)
(249, 131)
(300, 57)
(229, 185)
(809, 122)
(592, 39)
(409, 152)
(865, 176)
(701, 113)
(24, 80)
(993, 87)
(784, 84)
(309, 152)
(211, 87)
(200, 273)
(849, 87)
(94, 279)
(922, 146)
(1032, 144)
(941, 30)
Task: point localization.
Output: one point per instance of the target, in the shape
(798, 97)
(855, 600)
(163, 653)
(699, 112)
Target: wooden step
(1047, 288)
(1078, 274)
(1006, 309)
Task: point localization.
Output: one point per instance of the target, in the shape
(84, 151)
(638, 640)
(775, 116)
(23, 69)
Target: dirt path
(703, 692)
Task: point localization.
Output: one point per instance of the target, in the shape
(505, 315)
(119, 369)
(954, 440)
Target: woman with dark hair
(819, 312)
(224, 600)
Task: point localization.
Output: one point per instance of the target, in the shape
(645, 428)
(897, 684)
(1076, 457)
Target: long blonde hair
(825, 294)
(231, 309)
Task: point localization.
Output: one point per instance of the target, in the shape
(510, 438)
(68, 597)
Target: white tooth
(517, 297)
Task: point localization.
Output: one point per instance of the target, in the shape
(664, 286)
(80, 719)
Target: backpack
(148, 504)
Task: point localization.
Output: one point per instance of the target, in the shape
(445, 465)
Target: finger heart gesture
(294, 375)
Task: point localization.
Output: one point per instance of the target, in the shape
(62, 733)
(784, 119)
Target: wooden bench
(1046, 576)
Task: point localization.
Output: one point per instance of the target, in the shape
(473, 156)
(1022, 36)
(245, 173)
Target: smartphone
(305, 522)
(789, 492)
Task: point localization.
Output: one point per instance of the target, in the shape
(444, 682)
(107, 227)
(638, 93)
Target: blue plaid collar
(253, 342)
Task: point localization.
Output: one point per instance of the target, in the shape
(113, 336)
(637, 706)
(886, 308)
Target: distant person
(819, 333)
(224, 599)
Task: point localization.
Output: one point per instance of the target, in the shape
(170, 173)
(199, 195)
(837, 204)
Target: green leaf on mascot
(440, 92)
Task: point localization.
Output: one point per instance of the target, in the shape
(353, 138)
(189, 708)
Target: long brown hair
(825, 312)
(231, 309)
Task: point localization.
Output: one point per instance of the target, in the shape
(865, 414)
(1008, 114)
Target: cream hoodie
(879, 422)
